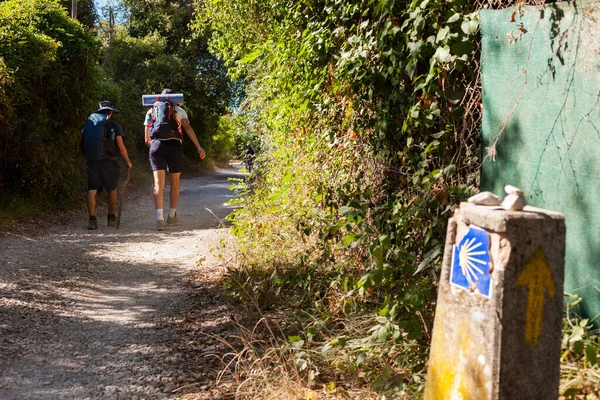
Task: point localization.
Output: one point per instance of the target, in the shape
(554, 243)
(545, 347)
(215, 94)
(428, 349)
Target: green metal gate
(541, 122)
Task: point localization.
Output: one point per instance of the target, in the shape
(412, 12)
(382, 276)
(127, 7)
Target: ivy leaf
(345, 210)
(296, 341)
(348, 240)
(382, 334)
(378, 256)
(431, 147)
(365, 282)
(591, 353)
(450, 170)
(428, 258)
(470, 27)
(454, 18)
(442, 34)
(361, 358)
(442, 54)
(411, 68)
(463, 47)
(248, 58)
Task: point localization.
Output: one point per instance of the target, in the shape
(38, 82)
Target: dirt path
(102, 314)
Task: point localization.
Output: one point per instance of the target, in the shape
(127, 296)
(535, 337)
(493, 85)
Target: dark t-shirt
(115, 130)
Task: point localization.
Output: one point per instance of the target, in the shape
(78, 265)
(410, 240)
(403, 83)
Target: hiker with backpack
(163, 130)
(102, 138)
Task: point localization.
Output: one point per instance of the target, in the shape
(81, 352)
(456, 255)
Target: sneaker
(172, 221)
(161, 225)
(112, 221)
(92, 224)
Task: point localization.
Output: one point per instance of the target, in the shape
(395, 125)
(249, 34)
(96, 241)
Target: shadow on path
(101, 314)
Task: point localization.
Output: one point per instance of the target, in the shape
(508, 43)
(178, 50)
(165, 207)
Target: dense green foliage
(41, 49)
(367, 146)
(54, 70)
(154, 50)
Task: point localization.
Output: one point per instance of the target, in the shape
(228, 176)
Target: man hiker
(102, 138)
(164, 136)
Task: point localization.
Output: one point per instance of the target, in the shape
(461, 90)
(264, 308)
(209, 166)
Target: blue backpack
(163, 124)
(98, 141)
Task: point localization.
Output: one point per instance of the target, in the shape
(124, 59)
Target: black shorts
(166, 155)
(102, 175)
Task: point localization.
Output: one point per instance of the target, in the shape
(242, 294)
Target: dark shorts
(102, 175)
(166, 155)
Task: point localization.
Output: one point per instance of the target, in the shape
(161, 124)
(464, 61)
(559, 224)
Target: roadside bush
(48, 86)
(369, 137)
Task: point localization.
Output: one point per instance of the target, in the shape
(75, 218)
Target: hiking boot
(112, 221)
(92, 224)
(161, 225)
(172, 221)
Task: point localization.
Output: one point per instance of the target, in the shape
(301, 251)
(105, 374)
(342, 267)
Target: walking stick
(121, 195)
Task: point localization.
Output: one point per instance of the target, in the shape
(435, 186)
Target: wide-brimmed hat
(105, 105)
(167, 91)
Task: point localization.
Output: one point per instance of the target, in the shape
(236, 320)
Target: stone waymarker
(498, 320)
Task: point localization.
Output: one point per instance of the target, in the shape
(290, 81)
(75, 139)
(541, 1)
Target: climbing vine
(369, 141)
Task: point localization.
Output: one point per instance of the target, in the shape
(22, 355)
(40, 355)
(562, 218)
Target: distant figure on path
(101, 139)
(248, 155)
(164, 137)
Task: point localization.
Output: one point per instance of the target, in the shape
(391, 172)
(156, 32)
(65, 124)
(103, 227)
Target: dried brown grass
(262, 365)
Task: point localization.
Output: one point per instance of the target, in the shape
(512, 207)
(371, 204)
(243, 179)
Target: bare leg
(174, 194)
(112, 201)
(159, 186)
(91, 202)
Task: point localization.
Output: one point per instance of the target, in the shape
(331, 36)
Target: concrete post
(498, 321)
(74, 9)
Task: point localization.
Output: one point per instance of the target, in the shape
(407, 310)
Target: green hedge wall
(47, 86)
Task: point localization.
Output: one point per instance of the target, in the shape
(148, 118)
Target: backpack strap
(173, 114)
(106, 129)
(178, 123)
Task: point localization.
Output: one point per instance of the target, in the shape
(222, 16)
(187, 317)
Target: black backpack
(163, 124)
(98, 139)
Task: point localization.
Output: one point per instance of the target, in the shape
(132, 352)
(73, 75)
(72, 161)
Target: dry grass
(261, 365)
(579, 382)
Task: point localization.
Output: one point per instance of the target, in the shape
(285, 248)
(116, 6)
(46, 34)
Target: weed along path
(106, 314)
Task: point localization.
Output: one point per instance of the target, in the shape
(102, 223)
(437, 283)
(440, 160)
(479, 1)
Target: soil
(128, 313)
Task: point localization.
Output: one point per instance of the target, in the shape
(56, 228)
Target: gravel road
(106, 314)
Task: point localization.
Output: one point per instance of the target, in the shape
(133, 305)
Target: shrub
(48, 84)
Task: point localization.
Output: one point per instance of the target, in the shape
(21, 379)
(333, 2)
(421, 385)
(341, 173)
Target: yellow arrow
(537, 275)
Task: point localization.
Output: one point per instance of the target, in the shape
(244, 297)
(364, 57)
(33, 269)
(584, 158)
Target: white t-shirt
(180, 114)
